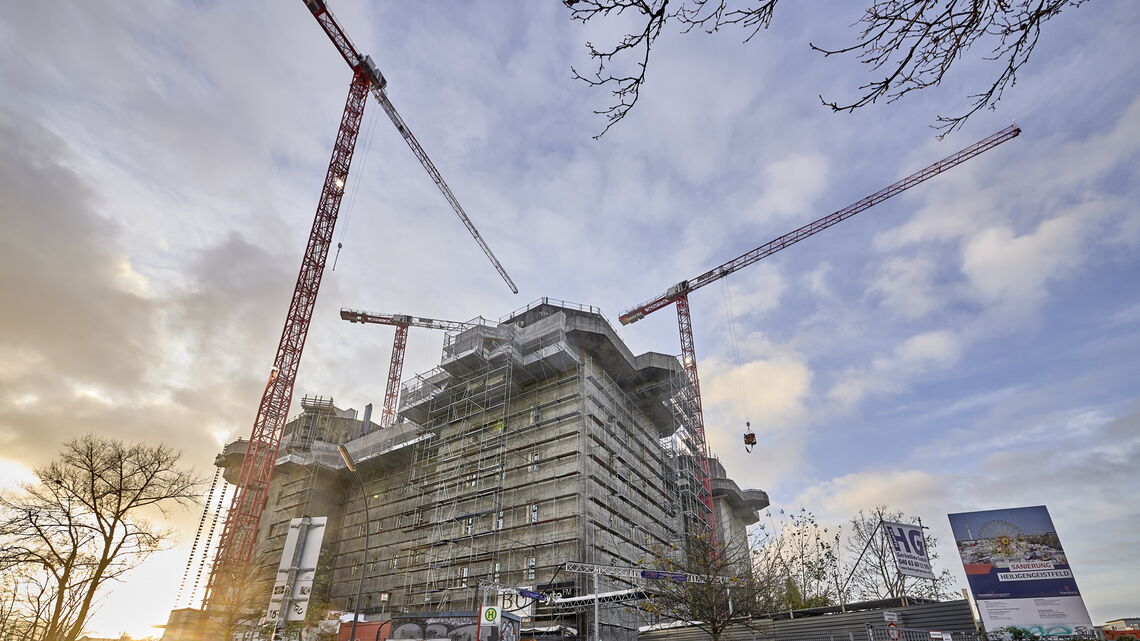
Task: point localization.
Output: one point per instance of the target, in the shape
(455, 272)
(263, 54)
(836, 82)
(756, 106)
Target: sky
(971, 344)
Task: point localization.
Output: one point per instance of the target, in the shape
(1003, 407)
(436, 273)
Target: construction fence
(943, 621)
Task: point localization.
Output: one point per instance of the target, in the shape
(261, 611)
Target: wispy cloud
(160, 169)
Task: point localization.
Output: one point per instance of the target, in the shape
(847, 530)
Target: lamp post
(367, 523)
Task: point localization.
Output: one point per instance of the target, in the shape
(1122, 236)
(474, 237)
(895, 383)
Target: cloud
(919, 355)
(1093, 522)
(791, 186)
(90, 344)
(1008, 238)
(12, 474)
(755, 291)
(1014, 270)
(770, 392)
(61, 267)
(816, 281)
(909, 490)
(184, 159)
(907, 286)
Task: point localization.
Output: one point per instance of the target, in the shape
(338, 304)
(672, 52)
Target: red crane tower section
(236, 543)
(244, 516)
(396, 368)
(679, 294)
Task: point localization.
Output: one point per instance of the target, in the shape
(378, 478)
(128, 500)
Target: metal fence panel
(883, 633)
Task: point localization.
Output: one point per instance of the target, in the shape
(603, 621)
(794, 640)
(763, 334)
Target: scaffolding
(536, 442)
(530, 450)
(682, 450)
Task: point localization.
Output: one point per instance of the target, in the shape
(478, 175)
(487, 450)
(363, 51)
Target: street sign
(655, 574)
(890, 617)
(935, 635)
(489, 616)
(893, 632)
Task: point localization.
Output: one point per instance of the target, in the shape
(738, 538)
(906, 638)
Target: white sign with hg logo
(910, 549)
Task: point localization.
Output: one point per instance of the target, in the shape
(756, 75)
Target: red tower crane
(396, 368)
(679, 294)
(235, 545)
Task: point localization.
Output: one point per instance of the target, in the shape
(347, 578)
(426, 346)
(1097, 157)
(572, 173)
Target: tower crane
(678, 295)
(236, 543)
(395, 369)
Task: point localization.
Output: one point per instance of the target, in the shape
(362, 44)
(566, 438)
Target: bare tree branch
(914, 43)
(626, 88)
(83, 523)
(728, 593)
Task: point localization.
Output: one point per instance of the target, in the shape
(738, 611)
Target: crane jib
(771, 247)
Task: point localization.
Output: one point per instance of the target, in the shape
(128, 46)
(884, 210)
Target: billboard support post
(900, 580)
(866, 546)
(933, 581)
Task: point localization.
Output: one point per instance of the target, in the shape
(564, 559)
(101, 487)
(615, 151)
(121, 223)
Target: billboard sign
(511, 600)
(294, 585)
(1019, 573)
(909, 546)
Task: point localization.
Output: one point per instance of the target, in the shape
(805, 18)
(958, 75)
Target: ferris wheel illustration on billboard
(1006, 537)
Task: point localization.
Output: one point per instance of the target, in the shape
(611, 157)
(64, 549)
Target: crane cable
(749, 443)
(356, 185)
(215, 517)
(197, 536)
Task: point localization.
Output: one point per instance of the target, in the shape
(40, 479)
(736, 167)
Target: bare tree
(84, 523)
(874, 574)
(912, 43)
(799, 556)
(239, 600)
(718, 589)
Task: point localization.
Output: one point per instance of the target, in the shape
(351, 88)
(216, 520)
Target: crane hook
(749, 437)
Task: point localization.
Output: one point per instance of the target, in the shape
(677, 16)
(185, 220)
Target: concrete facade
(538, 440)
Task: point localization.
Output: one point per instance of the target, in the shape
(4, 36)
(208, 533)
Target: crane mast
(240, 531)
(396, 367)
(235, 546)
(678, 294)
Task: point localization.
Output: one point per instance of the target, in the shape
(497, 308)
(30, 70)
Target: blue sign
(654, 574)
(1013, 554)
(533, 595)
(1019, 573)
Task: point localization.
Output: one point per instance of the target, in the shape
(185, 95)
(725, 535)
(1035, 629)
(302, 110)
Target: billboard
(292, 589)
(909, 546)
(1019, 573)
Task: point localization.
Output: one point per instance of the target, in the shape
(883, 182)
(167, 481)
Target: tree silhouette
(85, 522)
(909, 44)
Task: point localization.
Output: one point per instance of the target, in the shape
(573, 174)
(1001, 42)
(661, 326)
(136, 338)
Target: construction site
(540, 440)
(537, 470)
(228, 233)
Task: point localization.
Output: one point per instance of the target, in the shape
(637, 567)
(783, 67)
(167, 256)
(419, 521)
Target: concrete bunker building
(538, 440)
